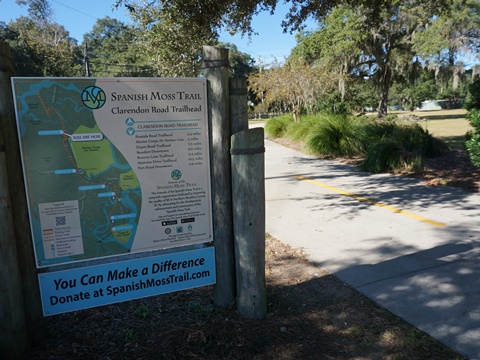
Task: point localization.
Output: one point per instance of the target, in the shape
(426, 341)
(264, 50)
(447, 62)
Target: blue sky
(78, 17)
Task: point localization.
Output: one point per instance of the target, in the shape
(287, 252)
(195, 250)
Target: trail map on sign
(113, 166)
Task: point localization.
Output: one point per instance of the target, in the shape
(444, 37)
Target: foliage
(387, 50)
(294, 84)
(451, 34)
(113, 50)
(241, 64)
(473, 142)
(237, 15)
(129, 335)
(199, 308)
(172, 44)
(393, 146)
(335, 135)
(385, 145)
(40, 46)
(41, 51)
(277, 127)
(473, 148)
(376, 51)
(473, 99)
(143, 311)
(388, 155)
(299, 131)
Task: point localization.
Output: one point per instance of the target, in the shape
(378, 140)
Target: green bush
(336, 135)
(473, 97)
(385, 145)
(277, 127)
(473, 148)
(473, 116)
(472, 144)
(298, 131)
(394, 146)
(391, 117)
(412, 138)
(386, 156)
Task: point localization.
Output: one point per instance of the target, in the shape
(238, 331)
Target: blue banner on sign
(82, 288)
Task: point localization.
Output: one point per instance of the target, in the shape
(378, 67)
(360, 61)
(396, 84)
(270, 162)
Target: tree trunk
(384, 89)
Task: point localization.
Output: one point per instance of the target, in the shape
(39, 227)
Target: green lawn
(448, 125)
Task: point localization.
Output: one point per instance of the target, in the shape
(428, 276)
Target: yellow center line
(371, 202)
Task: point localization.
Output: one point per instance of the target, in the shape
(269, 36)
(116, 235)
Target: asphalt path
(412, 248)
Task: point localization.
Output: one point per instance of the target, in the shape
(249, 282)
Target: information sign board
(114, 165)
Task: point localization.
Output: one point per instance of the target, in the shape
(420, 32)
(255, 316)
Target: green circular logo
(93, 97)
(176, 174)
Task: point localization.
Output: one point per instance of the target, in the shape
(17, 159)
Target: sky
(78, 17)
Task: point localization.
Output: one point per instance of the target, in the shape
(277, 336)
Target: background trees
(393, 49)
(379, 52)
(293, 86)
(113, 50)
(40, 46)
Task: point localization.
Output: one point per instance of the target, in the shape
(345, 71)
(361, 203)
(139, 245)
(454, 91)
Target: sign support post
(11, 172)
(216, 72)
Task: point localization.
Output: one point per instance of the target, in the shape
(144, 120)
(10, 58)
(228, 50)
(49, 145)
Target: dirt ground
(311, 314)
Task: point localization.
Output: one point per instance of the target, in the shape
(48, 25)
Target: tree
(335, 44)
(175, 30)
(294, 84)
(170, 43)
(236, 15)
(381, 50)
(40, 46)
(113, 50)
(241, 64)
(441, 42)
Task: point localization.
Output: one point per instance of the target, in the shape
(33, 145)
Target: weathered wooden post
(26, 262)
(238, 105)
(215, 63)
(14, 335)
(248, 194)
(248, 185)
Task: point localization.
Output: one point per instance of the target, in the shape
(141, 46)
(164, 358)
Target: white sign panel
(114, 165)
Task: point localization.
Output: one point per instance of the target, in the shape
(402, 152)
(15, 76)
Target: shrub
(277, 127)
(473, 116)
(473, 137)
(395, 146)
(391, 117)
(473, 97)
(335, 135)
(473, 148)
(298, 131)
(413, 138)
(386, 156)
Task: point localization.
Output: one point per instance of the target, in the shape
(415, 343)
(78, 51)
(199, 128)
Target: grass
(447, 125)
(399, 144)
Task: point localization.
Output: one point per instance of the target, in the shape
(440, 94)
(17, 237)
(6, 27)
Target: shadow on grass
(443, 117)
(454, 142)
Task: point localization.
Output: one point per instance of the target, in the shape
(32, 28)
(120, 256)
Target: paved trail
(412, 248)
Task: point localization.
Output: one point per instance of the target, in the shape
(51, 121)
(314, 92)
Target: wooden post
(238, 105)
(215, 64)
(14, 338)
(248, 188)
(26, 260)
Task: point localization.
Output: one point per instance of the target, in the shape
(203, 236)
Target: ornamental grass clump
(396, 146)
(277, 127)
(300, 130)
(335, 135)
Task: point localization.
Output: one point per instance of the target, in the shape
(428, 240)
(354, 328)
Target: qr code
(60, 220)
